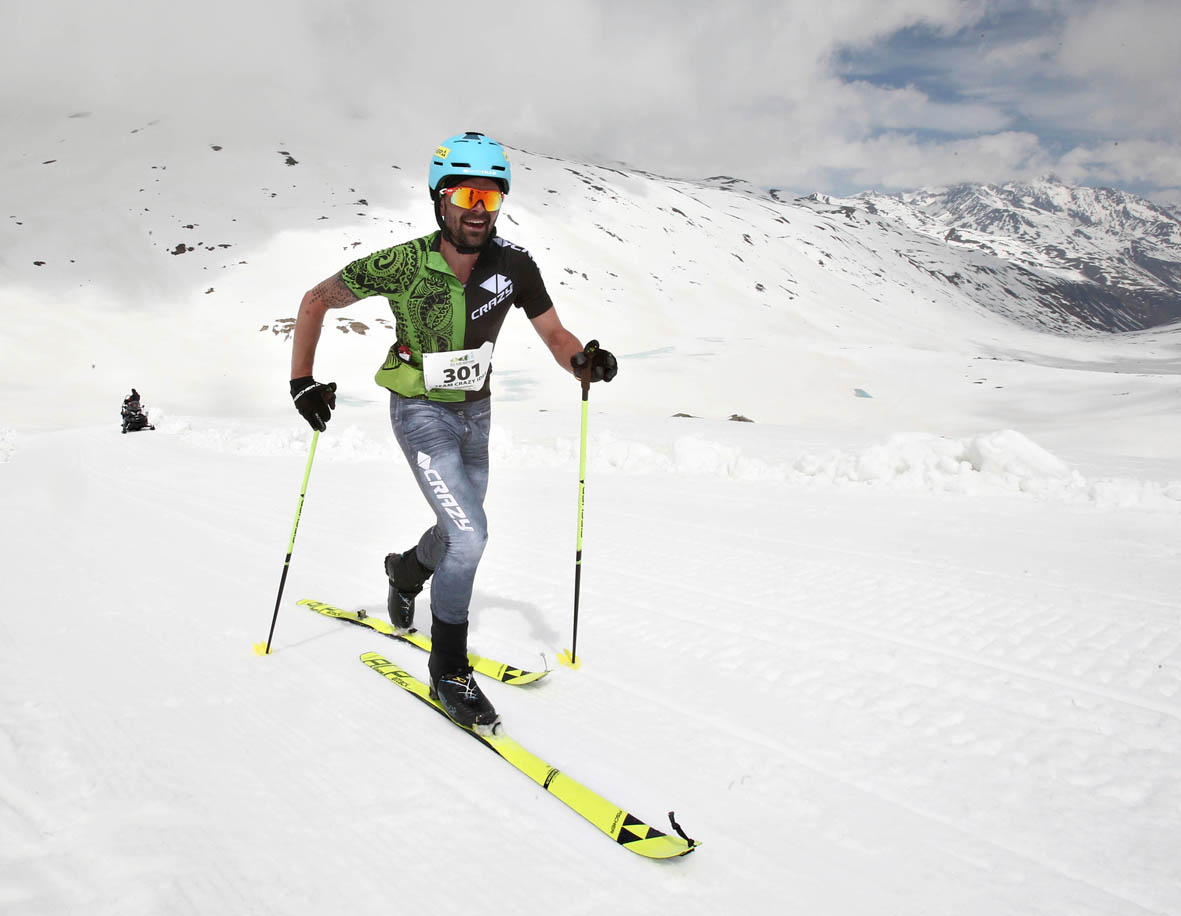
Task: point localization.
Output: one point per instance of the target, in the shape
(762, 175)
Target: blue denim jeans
(446, 445)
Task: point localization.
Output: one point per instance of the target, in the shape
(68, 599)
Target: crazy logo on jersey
(501, 288)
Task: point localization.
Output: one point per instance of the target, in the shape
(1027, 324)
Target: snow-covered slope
(116, 248)
(907, 643)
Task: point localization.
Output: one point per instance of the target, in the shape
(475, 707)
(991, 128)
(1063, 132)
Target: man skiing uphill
(450, 291)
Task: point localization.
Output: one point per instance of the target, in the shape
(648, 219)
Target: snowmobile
(134, 416)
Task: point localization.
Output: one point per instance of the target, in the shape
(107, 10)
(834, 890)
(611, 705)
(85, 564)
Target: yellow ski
(625, 829)
(488, 667)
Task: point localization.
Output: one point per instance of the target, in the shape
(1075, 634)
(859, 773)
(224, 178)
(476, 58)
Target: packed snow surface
(909, 642)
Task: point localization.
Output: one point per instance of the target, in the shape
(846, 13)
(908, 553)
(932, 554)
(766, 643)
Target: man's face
(470, 227)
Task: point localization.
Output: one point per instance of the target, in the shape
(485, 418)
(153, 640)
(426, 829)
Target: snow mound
(346, 443)
(1001, 461)
(1005, 461)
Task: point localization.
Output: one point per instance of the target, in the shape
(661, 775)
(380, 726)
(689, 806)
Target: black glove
(599, 362)
(314, 400)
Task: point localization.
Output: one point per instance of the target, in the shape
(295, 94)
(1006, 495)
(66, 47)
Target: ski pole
(265, 648)
(570, 658)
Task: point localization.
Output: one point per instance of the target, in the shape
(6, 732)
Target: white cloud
(1124, 162)
(901, 161)
(1126, 57)
(750, 88)
(1132, 42)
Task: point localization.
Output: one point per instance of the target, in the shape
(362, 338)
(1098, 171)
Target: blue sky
(1077, 78)
(839, 97)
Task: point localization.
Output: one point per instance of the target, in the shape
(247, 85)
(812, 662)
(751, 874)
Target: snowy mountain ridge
(212, 242)
(1114, 259)
(1044, 254)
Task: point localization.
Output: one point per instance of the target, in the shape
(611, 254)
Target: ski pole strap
(681, 833)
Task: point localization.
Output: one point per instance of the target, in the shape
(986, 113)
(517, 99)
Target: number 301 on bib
(464, 370)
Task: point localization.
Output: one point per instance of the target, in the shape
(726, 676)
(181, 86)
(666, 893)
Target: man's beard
(463, 236)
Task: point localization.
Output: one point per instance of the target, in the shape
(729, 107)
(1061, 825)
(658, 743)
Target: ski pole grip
(587, 370)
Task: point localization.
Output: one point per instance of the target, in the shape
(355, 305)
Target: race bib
(464, 370)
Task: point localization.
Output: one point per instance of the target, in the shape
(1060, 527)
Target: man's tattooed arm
(330, 294)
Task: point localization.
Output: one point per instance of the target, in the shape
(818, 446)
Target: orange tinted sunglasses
(467, 198)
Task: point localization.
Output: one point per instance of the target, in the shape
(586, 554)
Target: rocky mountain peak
(1107, 257)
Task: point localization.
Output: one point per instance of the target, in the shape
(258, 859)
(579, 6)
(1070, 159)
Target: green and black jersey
(435, 313)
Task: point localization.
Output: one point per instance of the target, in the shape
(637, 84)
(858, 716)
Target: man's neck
(461, 265)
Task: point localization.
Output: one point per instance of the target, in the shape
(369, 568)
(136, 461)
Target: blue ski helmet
(469, 155)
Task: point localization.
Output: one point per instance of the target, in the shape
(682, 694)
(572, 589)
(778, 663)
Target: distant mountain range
(1110, 259)
(1045, 254)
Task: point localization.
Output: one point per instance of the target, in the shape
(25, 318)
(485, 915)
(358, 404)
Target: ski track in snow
(1024, 728)
(822, 681)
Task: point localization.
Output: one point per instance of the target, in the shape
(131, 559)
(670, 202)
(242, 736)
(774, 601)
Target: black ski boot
(452, 682)
(406, 575)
